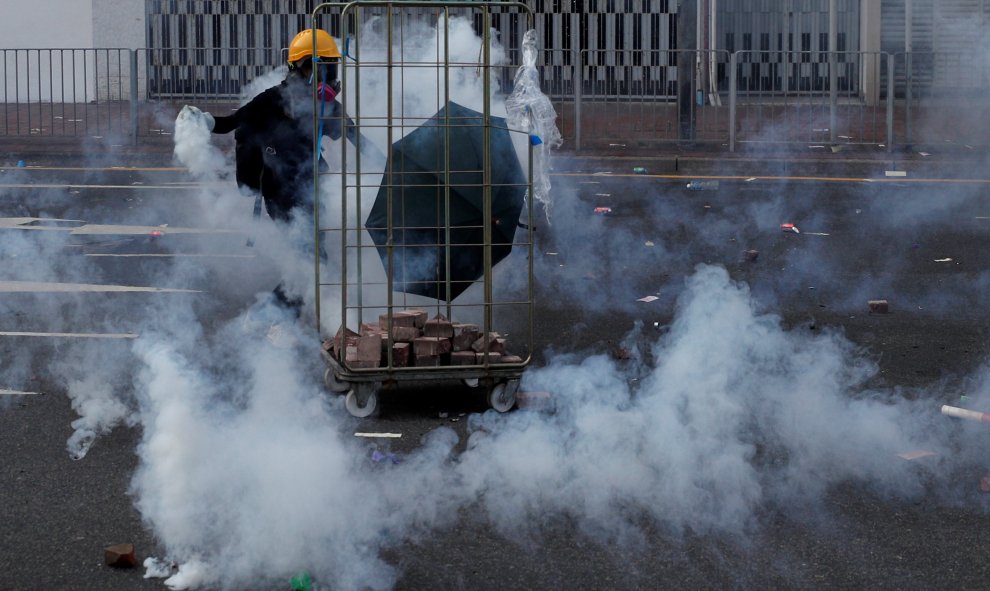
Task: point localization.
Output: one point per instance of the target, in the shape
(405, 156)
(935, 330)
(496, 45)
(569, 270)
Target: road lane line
(78, 186)
(101, 168)
(824, 179)
(72, 335)
(175, 255)
(52, 287)
(17, 393)
(102, 229)
(85, 229)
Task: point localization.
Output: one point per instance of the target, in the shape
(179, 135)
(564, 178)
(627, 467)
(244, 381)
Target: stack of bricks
(419, 341)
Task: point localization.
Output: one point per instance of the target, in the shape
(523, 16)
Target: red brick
(492, 357)
(511, 359)
(419, 317)
(463, 340)
(427, 361)
(120, 555)
(463, 358)
(495, 343)
(431, 346)
(400, 354)
(405, 334)
(354, 361)
(878, 306)
(751, 255)
(342, 340)
(438, 328)
(399, 318)
(369, 348)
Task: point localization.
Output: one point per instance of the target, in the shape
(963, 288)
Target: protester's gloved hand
(328, 92)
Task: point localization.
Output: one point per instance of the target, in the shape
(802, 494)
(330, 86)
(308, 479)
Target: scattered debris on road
(963, 413)
(702, 186)
(878, 306)
(120, 556)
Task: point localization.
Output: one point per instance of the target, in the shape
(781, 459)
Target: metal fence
(602, 97)
(65, 92)
(795, 96)
(635, 96)
(945, 97)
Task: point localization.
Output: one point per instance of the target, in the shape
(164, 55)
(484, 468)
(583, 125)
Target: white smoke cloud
(248, 475)
(252, 488)
(737, 413)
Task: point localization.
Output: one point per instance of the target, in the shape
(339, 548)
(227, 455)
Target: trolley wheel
(334, 384)
(362, 400)
(471, 382)
(502, 396)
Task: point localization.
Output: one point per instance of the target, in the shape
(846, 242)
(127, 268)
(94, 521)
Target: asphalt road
(920, 245)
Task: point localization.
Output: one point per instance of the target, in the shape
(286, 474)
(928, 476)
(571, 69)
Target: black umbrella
(418, 181)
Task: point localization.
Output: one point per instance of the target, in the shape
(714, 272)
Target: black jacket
(274, 144)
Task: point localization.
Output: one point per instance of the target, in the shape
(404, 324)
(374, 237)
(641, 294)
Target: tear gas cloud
(736, 414)
(247, 474)
(282, 487)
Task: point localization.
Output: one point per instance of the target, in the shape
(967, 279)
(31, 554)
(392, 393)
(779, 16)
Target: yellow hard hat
(302, 45)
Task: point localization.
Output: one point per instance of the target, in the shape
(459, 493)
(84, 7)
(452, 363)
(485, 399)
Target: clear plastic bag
(530, 110)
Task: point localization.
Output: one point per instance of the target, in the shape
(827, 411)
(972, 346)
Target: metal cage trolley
(424, 272)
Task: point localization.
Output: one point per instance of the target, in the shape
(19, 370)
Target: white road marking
(72, 335)
(77, 186)
(203, 255)
(84, 229)
(17, 393)
(384, 435)
(50, 287)
(105, 229)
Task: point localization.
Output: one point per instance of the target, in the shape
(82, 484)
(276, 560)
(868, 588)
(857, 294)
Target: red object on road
(603, 210)
(157, 233)
(789, 228)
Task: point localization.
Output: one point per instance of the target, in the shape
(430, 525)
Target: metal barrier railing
(65, 92)
(944, 96)
(636, 93)
(601, 96)
(814, 98)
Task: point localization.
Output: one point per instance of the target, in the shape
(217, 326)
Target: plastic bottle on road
(702, 186)
(302, 582)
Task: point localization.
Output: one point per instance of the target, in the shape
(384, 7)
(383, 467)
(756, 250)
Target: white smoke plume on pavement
(737, 413)
(250, 487)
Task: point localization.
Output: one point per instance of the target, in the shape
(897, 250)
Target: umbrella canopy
(421, 189)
